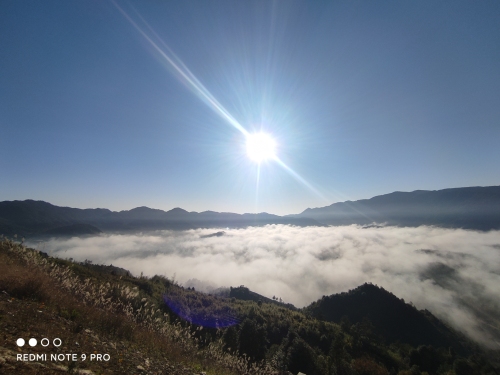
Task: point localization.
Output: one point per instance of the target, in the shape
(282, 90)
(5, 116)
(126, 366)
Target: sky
(454, 273)
(149, 103)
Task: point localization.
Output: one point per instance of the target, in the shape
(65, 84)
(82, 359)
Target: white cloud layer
(453, 273)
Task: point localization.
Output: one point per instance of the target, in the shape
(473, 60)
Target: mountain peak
(391, 316)
(142, 209)
(177, 210)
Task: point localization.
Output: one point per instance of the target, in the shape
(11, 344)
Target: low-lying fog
(453, 273)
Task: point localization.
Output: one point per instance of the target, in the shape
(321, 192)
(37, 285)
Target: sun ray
(257, 189)
(299, 178)
(183, 73)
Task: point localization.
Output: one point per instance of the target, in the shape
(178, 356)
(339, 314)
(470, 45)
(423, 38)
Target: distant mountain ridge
(468, 208)
(29, 217)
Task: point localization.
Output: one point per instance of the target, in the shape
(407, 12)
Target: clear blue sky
(362, 97)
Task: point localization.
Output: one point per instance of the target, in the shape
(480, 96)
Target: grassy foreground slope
(93, 311)
(154, 326)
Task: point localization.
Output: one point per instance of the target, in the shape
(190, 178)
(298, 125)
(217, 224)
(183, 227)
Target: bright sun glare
(260, 147)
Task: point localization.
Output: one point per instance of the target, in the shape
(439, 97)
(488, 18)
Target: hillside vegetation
(155, 326)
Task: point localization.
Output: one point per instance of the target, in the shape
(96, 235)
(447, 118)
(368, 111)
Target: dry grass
(98, 313)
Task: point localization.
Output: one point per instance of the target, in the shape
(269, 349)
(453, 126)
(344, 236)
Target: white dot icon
(32, 342)
(20, 342)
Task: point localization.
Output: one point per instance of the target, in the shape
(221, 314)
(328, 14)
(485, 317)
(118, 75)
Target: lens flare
(181, 71)
(260, 146)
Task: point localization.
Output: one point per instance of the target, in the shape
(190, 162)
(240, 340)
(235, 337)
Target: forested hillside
(387, 316)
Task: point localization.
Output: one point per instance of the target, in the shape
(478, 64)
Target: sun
(260, 147)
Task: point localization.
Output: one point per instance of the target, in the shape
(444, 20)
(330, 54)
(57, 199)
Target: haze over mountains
(469, 208)
(41, 218)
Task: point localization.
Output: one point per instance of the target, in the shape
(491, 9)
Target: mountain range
(32, 218)
(475, 208)
(469, 208)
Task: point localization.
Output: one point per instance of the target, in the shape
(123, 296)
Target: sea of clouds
(454, 273)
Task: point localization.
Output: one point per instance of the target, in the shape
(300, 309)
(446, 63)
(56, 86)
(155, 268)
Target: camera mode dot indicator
(20, 342)
(32, 342)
